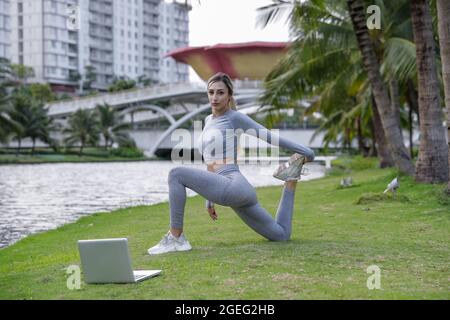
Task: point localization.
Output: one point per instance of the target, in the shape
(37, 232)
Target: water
(36, 198)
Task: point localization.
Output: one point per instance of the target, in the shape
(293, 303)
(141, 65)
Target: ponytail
(232, 103)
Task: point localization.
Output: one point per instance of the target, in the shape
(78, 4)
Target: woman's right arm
(243, 121)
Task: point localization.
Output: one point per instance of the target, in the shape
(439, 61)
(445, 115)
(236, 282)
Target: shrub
(127, 152)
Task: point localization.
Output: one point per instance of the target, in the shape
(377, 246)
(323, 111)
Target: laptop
(108, 261)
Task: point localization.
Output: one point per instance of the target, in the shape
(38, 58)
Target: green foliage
(371, 197)
(83, 129)
(41, 92)
(355, 163)
(122, 84)
(127, 152)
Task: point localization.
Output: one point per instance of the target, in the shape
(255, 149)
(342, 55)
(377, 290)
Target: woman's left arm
(244, 122)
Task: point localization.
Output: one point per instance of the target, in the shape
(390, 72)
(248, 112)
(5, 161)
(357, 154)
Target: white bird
(346, 182)
(392, 186)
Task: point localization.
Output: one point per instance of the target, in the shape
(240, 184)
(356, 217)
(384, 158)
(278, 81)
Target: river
(40, 197)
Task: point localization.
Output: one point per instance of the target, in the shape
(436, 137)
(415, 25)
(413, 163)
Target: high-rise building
(62, 39)
(4, 29)
(174, 33)
(39, 39)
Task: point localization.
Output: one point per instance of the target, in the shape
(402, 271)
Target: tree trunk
(413, 103)
(384, 154)
(411, 131)
(361, 148)
(443, 9)
(373, 148)
(390, 124)
(33, 147)
(19, 140)
(413, 99)
(395, 101)
(432, 163)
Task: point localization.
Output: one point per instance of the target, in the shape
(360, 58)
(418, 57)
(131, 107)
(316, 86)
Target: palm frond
(400, 58)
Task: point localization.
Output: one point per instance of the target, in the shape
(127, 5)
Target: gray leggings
(228, 187)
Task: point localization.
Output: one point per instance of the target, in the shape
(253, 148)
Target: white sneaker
(170, 243)
(292, 169)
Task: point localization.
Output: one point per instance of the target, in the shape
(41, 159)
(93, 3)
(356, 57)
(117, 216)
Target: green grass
(334, 241)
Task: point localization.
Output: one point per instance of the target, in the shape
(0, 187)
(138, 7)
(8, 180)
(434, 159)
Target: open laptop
(108, 261)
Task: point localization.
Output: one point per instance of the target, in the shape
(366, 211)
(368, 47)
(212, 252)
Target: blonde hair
(220, 76)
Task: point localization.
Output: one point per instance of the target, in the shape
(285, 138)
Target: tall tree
(90, 76)
(380, 139)
(371, 64)
(432, 163)
(21, 72)
(324, 63)
(112, 127)
(82, 129)
(40, 125)
(443, 10)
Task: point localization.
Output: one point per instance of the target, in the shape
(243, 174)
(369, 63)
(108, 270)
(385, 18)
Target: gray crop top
(220, 136)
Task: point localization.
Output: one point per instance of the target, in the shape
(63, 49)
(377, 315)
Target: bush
(355, 163)
(127, 152)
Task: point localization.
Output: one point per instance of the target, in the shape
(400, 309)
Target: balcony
(102, 45)
(105, 34)
(97, 7)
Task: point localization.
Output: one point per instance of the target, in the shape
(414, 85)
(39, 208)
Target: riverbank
(44, 155)
(334, 241)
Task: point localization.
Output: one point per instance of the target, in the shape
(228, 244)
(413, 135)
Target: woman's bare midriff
(217, 164)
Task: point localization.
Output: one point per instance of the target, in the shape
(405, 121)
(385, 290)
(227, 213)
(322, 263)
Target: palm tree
(324, 61)
(111, 126)
(432, 164)
(21, 113)
(371, 64)
(90, 76)
(443, 11)
(6, 123)
(40, 125)
(82, 129)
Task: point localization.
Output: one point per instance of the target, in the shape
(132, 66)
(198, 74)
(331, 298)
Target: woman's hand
(212, 213)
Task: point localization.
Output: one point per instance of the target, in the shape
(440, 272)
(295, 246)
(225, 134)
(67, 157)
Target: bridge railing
(122, 97)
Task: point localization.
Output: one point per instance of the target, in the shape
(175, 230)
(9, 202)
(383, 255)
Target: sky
(230, 21)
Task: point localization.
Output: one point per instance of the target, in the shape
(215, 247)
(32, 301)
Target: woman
(223, 183)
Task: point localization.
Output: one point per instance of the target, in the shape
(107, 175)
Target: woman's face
(218, 97)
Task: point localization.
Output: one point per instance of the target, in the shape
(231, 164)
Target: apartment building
(60, 39)
(174, 33)
(4, 29)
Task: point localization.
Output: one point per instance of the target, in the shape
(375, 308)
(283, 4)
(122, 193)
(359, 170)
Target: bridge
(175, 104)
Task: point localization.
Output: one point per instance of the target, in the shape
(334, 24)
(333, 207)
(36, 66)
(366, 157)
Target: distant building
(174, 31)
(4, 29)
(117, 38)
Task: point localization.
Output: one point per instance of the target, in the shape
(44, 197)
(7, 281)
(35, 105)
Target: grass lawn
(334, 241)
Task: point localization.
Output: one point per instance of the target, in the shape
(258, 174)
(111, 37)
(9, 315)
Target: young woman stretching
(223, 183)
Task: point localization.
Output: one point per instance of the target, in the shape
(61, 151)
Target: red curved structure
(249, 60)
